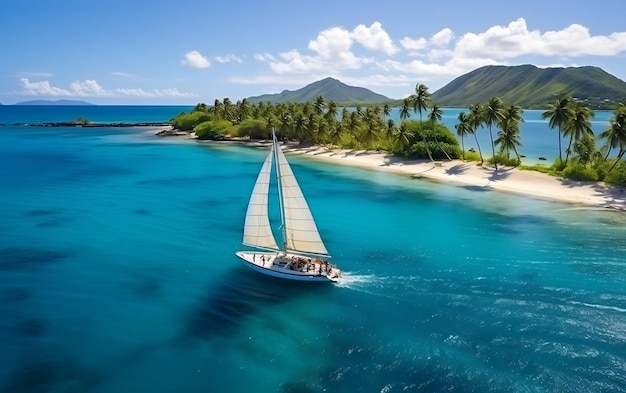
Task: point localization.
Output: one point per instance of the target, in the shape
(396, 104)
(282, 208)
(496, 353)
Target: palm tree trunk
(427, 148)
(441, 147)
(619, 157)
(560, 154)
(462, 148)
(482, 161)
(569, 148)
(493, 149)
(519, 159)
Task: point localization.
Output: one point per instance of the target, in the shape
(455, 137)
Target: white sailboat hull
(290, 267)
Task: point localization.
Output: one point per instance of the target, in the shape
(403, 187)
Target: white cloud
(228, 59)
(335, 45)
(264, 57)
(374, 38)
(88, 88)
(121, 74)
(42, 89)
(442, 38)
(413, 44)
(515, 40)
(442, 56)
(91, 88)
(195, 59)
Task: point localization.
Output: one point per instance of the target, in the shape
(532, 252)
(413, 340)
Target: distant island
(57, 102)
(528, 86)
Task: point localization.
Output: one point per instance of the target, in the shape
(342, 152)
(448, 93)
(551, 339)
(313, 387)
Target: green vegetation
(532, 87)
(368, 128)
(583, 159)
(320, 123)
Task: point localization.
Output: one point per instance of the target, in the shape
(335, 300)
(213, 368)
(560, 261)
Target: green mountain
(532, 87)
(329, 88)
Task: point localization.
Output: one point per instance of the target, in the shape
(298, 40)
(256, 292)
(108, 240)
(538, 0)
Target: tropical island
(585, 159)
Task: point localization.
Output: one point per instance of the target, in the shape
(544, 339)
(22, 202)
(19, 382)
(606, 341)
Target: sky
(184, 52)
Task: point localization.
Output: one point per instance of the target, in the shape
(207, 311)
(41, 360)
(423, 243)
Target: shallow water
(118, 274)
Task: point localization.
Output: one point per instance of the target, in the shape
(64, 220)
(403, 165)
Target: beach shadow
(615, 196)
(457, 169)
(390, 160)
(501, 173)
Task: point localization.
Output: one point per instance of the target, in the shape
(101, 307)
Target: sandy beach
(505, 179)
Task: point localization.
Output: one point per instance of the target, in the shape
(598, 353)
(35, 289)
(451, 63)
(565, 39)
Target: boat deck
(295, 267)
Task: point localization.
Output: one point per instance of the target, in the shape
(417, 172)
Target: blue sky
(142, 52)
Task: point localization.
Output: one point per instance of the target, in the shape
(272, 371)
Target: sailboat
(303, 255)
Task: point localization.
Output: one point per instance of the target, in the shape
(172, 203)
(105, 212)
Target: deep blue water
(118, 274)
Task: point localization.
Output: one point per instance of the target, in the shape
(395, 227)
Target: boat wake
(354, 281)
(379, 285)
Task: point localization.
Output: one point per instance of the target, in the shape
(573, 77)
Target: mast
(280, 191)
(299, 230)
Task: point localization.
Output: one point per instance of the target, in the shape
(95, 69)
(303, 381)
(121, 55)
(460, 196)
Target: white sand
(506, 179)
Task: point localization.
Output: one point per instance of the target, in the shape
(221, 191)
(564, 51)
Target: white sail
(257, 230)
(300, 230)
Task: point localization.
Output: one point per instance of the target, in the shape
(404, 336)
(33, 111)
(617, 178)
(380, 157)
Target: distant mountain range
(57, 102)
(532, 87)
(527, 86)
(329, 88)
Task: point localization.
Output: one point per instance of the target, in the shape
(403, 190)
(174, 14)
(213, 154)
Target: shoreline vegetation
(589, 168)
(455, 172)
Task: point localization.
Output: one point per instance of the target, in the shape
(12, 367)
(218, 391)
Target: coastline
(505, 179)
(464, 173)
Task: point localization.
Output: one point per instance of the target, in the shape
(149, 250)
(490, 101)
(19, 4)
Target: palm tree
(493, 114)
(331, 112)
(421, 99)
(390, 128)
(386, 111)
(509, 138)
(229, 109)
(434, 116)
(405, 111)
(354, 122)
(463, 127)
(616, 135)
(218, 108)
(559, 113)
(476, 120)
(578, 125)
(201, 107)
(320, 104)
(300, 126)
(404, 136)
(243, 107)
(373, 124)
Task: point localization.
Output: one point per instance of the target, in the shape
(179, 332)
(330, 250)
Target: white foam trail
(353, 281)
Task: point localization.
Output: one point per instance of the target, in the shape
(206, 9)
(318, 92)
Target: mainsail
(301, 234)
(299, 230)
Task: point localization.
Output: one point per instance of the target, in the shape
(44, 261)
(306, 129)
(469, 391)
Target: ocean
(118, 274)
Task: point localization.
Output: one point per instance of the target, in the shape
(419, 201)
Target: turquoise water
(537, 138)
(118, 274)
